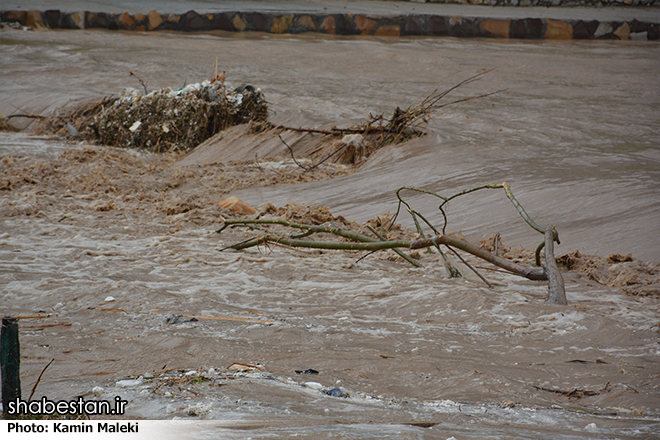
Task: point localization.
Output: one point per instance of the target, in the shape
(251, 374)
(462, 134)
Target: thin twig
(292, 156)
(144, 84)
(34, 388)
(398, 252)
(303, 130)
(26, 116)
(471, 268)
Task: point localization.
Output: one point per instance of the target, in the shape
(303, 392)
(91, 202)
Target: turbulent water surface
(575, 132)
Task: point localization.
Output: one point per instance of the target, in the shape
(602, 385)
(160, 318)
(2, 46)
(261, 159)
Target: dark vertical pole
(10, 358)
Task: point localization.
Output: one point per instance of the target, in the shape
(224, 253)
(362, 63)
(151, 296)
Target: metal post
(10, 360)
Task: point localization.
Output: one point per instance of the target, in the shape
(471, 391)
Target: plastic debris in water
(336, 392)
(211, 93)
(71, 129)
(135, 126)
(307, 371)
(246, 87)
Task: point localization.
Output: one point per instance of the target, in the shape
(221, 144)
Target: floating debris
(179, 119)
(162, 120)
(336, 392)
(307, 371)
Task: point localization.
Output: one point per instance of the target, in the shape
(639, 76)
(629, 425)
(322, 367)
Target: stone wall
(340, 24)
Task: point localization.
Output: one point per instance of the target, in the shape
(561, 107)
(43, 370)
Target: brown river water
(575, 131)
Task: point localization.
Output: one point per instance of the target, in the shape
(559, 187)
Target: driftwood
(360, 242)
(378, 131)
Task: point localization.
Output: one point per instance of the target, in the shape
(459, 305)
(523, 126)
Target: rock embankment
(340, 24)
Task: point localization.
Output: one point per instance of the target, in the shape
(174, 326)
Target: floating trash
(336, 392)
(307, 371)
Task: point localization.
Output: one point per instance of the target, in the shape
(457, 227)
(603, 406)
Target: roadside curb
(340, 24)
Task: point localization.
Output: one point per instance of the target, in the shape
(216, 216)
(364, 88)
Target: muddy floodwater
(121, 248)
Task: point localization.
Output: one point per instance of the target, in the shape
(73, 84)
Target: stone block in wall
(414, 25)
(113, 22)
(16, 16)
(155, 19)
(75, 20)
(305, 23)
(52, 18)
(365, 25)
(345, 25)
(622, 32)
(653, 32)
(126, 20)
(534, 28)
(463, 27)
(281, 24)
(328, 24)
(437, 26)
(191, 21)
(238, 22)
(221, 22)
(639, 35)
(638, 26)
(496, 28)
(583, 31)
(518, 29)
(257, 21)
(34, 20)
(603, 29)
(558, 30)
(99, 20)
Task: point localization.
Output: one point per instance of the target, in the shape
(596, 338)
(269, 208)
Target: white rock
(314, 385)
(603, 29)
(353, 140)
(130, 382)
(98, 391)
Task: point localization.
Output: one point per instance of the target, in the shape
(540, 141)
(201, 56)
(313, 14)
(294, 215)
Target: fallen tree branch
(518, 269)
(549, 272)
(398, 252)
(556, 291)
